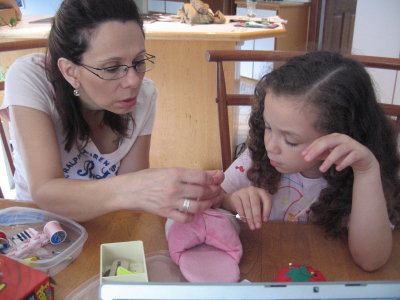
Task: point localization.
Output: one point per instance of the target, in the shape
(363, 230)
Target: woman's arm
(159, 191)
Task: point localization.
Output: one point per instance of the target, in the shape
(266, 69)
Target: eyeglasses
(119, 71)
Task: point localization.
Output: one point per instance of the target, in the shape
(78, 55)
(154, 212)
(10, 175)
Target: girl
(81, 119)
(320, 148)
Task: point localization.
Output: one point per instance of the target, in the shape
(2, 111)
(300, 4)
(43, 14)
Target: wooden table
(266, 251)
(186, 126)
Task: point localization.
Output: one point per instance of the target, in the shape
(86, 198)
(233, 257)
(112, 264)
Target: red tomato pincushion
(299, 273)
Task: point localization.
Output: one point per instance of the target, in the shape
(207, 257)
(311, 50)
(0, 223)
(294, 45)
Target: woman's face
(113, 43)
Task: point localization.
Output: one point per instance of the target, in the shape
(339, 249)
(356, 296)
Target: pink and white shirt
(293, 199)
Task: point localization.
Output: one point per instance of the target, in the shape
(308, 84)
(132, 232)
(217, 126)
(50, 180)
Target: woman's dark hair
(341, 91)
(69, 37)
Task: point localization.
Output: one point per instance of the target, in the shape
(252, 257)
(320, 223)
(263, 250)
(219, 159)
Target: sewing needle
(237, 216)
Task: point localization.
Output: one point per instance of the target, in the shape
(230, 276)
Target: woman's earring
(76, 93)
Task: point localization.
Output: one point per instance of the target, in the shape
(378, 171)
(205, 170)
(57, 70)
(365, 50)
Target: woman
(84, 111)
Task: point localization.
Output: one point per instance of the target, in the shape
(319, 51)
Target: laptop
(385, 290)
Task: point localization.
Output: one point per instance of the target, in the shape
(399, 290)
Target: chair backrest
(5, 47)
(6, 145)
(224, 99)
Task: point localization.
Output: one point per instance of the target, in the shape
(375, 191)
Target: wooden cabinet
(337, 25)
(227, 7)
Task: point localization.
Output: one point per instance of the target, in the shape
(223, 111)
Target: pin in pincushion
(299, 273)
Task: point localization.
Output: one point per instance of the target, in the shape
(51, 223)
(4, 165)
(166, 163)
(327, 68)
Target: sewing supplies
(4, 244)
(30, 241)
(3, 235)
(23, 224)
(237, 216)
(54, 231)
(33, 258)
(299, 273)
(120, 267)
(123, 271)
(123, 262)
(23, 236)
(253, 24)
(28, 246)
(116, 264)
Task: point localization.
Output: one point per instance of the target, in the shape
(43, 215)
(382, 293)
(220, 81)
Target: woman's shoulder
(27, 68)
(34, 62)
(27, 84)
(148, 88)
(147, 94)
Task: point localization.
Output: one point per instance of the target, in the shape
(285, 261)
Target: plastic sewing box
(14, 220)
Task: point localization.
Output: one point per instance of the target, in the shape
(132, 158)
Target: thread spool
(55, 232)
(4, 244)
(3, 235)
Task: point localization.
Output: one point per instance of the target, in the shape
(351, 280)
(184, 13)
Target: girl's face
(289, 130)
(113, 43)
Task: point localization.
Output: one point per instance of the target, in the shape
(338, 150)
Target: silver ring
(185, 205)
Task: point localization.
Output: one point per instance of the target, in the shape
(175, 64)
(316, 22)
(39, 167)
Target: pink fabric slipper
(208, 249)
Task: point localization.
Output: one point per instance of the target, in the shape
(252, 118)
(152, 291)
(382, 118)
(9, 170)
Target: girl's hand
(252, 204)
(342, 151)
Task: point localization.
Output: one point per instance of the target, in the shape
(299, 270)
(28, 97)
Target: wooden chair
(5, 47)
(6, 149)
(224, 99)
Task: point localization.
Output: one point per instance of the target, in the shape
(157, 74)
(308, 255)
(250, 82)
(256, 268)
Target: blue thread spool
(55, 233)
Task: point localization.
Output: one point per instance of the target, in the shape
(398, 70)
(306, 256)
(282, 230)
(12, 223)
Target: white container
(14, 220)
(132, 252)
(251, 8)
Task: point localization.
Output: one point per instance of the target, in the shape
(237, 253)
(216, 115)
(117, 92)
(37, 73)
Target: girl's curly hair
(342, 92)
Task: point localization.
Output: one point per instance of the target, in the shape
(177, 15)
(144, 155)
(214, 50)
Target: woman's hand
(342, 151)
(252, 204)
(163, 192)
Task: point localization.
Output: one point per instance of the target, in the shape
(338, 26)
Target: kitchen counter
(157, 30)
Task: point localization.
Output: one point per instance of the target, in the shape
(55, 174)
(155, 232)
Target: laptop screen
(260, 291)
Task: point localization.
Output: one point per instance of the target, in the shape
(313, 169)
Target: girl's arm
(159, 191)
(252, 203)
(370, 236)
